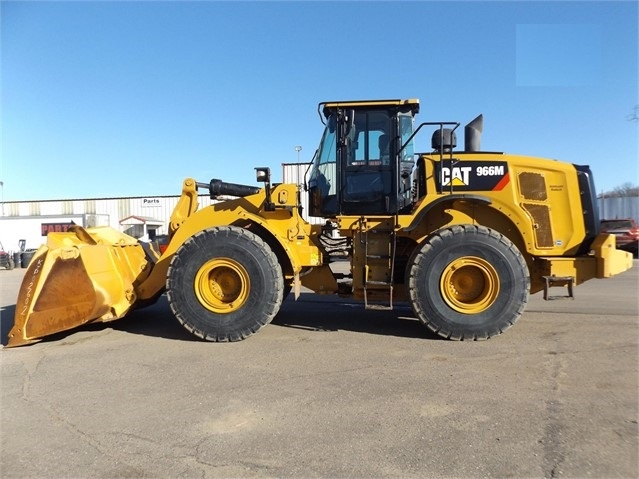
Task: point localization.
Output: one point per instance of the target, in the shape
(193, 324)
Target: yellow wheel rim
(222, 285)
(469, 285)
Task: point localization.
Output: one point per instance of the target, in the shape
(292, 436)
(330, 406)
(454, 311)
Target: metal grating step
(551, 281)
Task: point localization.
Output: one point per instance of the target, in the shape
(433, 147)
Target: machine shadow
(7, 315)
(327, 313)
(311, 312)
(156, 320)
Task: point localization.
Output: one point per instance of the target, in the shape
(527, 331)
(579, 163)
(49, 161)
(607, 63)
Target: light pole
(2, 195)
(298, 149)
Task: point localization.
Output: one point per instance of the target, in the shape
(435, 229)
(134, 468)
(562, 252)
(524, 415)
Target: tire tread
(439, 239)
(269, 309)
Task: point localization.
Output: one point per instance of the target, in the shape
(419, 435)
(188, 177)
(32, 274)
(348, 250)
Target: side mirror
(350, 121)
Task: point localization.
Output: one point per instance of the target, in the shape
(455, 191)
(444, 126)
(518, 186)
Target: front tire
(224, 284)
(468, 282)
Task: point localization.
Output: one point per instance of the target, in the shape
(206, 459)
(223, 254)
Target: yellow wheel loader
(463, 235)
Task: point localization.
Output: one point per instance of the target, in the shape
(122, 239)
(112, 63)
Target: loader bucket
(78, 277)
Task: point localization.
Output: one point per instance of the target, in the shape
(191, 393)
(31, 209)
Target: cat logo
(456, 176)
(464, 175)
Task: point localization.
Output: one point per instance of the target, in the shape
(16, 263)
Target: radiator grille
(532, 186)
(543, 230)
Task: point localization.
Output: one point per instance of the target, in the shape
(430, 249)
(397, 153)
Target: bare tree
(623, 190)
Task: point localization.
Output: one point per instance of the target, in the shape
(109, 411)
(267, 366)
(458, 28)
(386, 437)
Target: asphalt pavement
(330, 390)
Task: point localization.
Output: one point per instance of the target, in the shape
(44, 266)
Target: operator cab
(364, 161)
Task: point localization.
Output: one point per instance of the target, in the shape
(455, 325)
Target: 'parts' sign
(148, 202)
(47, 228)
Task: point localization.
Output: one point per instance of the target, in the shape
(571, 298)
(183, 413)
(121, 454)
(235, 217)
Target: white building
(139, 216)
(33, 220)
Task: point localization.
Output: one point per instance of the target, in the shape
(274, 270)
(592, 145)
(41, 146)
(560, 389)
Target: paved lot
(330, 390)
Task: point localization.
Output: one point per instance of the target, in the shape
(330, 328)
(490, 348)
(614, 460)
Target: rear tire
(224, 284)
(468, 282)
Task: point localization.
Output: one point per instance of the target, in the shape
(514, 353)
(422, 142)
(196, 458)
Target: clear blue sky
(105, 99)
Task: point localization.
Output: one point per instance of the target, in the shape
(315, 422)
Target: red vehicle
(625, 231)
(161, 242)
(6, 260)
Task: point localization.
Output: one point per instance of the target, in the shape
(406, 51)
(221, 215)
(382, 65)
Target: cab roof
(328, 106)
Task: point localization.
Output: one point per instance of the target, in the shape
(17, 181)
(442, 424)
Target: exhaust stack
(472, 134)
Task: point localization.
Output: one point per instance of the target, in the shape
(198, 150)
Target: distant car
(626, 233)
(6, 259)
(161, 242)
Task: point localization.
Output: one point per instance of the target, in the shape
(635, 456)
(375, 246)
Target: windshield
(370, 139)
(322, 181)
(406, 130)
(323, 171)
